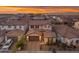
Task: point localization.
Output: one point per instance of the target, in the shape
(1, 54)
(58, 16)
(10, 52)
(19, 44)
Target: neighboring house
(38, 16)
(58, 20)
(67, 34)
(2, 35)
(14, 35)
(14, 27)
(76, 25)
(13, 24)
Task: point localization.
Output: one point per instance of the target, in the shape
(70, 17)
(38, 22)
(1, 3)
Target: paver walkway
(33, 46)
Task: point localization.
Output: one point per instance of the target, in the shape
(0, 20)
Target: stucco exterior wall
(1, 38)
(76, 25)
(72, 40)
(45, 40)
(54, 40)
(20, 27)
(19, 37)
(45, 27)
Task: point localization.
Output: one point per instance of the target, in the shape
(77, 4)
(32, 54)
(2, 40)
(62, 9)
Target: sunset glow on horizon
(6, 9)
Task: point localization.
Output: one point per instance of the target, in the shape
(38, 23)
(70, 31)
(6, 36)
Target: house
(13, 24)
(40, 30)
(40, 24)
(14, 35)
(67, 34)
(41, 36)
(38, 16)
(60, 19)
(14, 28)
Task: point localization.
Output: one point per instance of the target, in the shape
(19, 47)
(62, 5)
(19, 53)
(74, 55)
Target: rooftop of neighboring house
(66, 31)
(66, 18)
(38, 16)
(39, 22)
(14, 22)
(60, 19)
(70, 18)
(15, 33)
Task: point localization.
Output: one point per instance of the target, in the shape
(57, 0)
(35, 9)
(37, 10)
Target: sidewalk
(33, 52)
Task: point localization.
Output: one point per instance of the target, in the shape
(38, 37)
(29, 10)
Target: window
(9, 26)
(14, 26)
(36, 26)
(19, 27)
(48, 26)
(32, 26)
(77, 41)
(2, 26)
(45, 26)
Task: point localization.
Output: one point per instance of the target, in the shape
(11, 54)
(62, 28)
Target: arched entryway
(33, 39)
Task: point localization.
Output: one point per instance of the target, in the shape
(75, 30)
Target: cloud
(14, 9)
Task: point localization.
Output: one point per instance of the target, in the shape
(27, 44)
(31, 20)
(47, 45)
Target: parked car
(6, 45)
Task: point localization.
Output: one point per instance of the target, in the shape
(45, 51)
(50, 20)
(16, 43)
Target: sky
(31, 9)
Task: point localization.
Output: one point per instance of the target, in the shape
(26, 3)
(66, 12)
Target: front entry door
(34, 43)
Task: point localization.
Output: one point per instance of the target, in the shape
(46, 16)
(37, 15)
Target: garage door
(33, 38)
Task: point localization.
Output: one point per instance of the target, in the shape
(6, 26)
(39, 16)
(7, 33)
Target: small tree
(20, 44)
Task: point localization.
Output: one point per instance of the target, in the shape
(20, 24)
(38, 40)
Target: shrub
(21, 42)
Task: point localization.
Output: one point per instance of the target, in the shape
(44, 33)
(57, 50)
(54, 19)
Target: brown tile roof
(38, 17)
(13, 22)
(39, 22)
(67, 31)
(46, 33)
(15, 33)
(49, 34)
